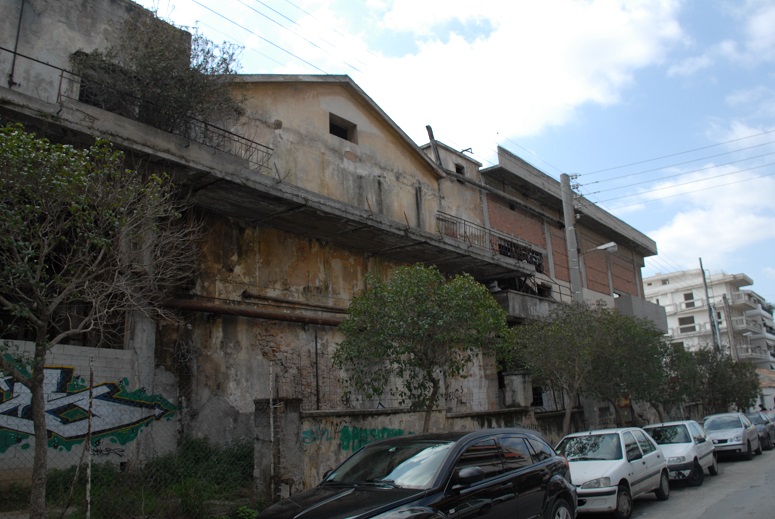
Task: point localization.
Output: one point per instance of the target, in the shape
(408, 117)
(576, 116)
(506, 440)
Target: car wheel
(713, 469)
(560, 510)
(663, 491)
(623, 503)
(769, 443)
(749, 452)
(696, 476)
(759, 448)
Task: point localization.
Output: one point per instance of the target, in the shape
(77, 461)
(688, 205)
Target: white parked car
(733, 433)
(611, 467)
(688, 450)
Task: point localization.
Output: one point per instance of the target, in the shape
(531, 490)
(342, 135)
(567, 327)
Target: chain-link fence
(137, 465)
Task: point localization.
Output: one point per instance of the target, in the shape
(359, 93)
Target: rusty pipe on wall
(251, 311)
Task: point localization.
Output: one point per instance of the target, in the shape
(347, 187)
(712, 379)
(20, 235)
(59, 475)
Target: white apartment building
(737, 321)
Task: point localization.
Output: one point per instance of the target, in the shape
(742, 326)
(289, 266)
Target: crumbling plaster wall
(51, 31)
(381, 172)
(239, 359)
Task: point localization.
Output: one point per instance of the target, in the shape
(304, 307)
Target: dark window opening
(686, 324)
(460, 169)
(342, 128)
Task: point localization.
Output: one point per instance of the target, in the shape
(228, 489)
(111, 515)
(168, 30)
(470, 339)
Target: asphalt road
(742, 490)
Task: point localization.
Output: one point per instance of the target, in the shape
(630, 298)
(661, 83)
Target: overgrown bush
(161, 75)
(193, 483)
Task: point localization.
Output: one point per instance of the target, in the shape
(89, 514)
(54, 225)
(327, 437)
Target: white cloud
(539, 63)
(716, 234)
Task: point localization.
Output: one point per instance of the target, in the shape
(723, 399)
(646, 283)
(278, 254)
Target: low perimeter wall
(294, 449)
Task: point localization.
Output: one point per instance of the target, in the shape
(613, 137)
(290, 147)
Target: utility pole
(711, 314)
(569, 218)
(730, 328)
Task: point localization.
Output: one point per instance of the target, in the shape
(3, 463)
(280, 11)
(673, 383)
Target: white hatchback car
(688, 449)
(611, 467)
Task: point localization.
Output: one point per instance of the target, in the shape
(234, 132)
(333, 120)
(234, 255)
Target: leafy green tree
(631, 363)
(83, 241)
(420, 327)
(724, 382)
(684, 381)
(559, 351)
(591, 348)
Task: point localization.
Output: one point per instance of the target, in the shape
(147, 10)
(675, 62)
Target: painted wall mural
(118, 413)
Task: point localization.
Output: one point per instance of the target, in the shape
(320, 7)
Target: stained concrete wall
(381, 171)
(266, 327)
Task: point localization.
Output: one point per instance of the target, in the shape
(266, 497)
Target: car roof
(603, 431)
(731, 413)
(665, 424)
(456, 436)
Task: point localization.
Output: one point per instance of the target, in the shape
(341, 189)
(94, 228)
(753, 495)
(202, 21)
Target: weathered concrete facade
(341, 192)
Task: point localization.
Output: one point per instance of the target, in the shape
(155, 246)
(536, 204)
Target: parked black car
(766, 429)
(495, 473)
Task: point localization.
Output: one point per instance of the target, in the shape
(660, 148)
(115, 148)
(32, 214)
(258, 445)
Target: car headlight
(676, 459)
(738, 438)
(597, 483)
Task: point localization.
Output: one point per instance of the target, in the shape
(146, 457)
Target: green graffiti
(10, 439)
(119, 415)
(352, 439)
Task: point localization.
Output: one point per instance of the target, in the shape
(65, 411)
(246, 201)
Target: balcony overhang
(223, 184)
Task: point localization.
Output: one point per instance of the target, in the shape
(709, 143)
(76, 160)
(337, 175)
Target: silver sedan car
(733, 434)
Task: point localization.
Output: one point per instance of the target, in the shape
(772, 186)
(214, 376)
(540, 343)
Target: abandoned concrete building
(313, 187)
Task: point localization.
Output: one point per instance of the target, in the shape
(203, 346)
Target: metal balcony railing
(255, 154)
(488, 240)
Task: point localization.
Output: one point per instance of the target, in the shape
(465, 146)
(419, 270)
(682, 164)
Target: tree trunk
(429, 408)
(568, 412)
(40, 461)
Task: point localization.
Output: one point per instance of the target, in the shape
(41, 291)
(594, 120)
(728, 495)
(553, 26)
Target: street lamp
(611, 246)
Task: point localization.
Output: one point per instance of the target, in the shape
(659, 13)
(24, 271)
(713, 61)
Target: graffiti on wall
(118, 415)
(350, 437)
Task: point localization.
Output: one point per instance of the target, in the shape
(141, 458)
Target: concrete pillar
(278, 453)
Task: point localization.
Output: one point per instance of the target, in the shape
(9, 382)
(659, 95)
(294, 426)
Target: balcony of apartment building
(743, 301)
(685, 306)
(753, 353)
(745, 325)
(688, 328)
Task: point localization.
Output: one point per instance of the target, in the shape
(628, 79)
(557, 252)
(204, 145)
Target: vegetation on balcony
(161, 75)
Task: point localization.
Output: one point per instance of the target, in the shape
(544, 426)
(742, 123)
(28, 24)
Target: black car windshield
(757, 419)
(667, 434)
(591, 447)
(719, 423)
(404, 465)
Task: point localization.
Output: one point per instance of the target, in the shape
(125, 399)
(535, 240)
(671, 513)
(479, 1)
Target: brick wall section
(516, 222)
(624, 275)
(560, 254)
(596, 271)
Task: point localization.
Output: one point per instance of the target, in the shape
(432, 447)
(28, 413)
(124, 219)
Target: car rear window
(591, 447)
(668, 434)
(719, 423)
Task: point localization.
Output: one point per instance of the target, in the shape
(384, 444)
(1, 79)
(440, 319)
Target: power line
(680, 153)
(261, 37)
(689, 162)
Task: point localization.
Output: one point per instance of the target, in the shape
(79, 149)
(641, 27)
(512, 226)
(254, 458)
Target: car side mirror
(700, 439)
(634, 456)
(468, 476)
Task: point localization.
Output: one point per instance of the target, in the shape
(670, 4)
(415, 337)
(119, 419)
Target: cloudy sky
(665, 109)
